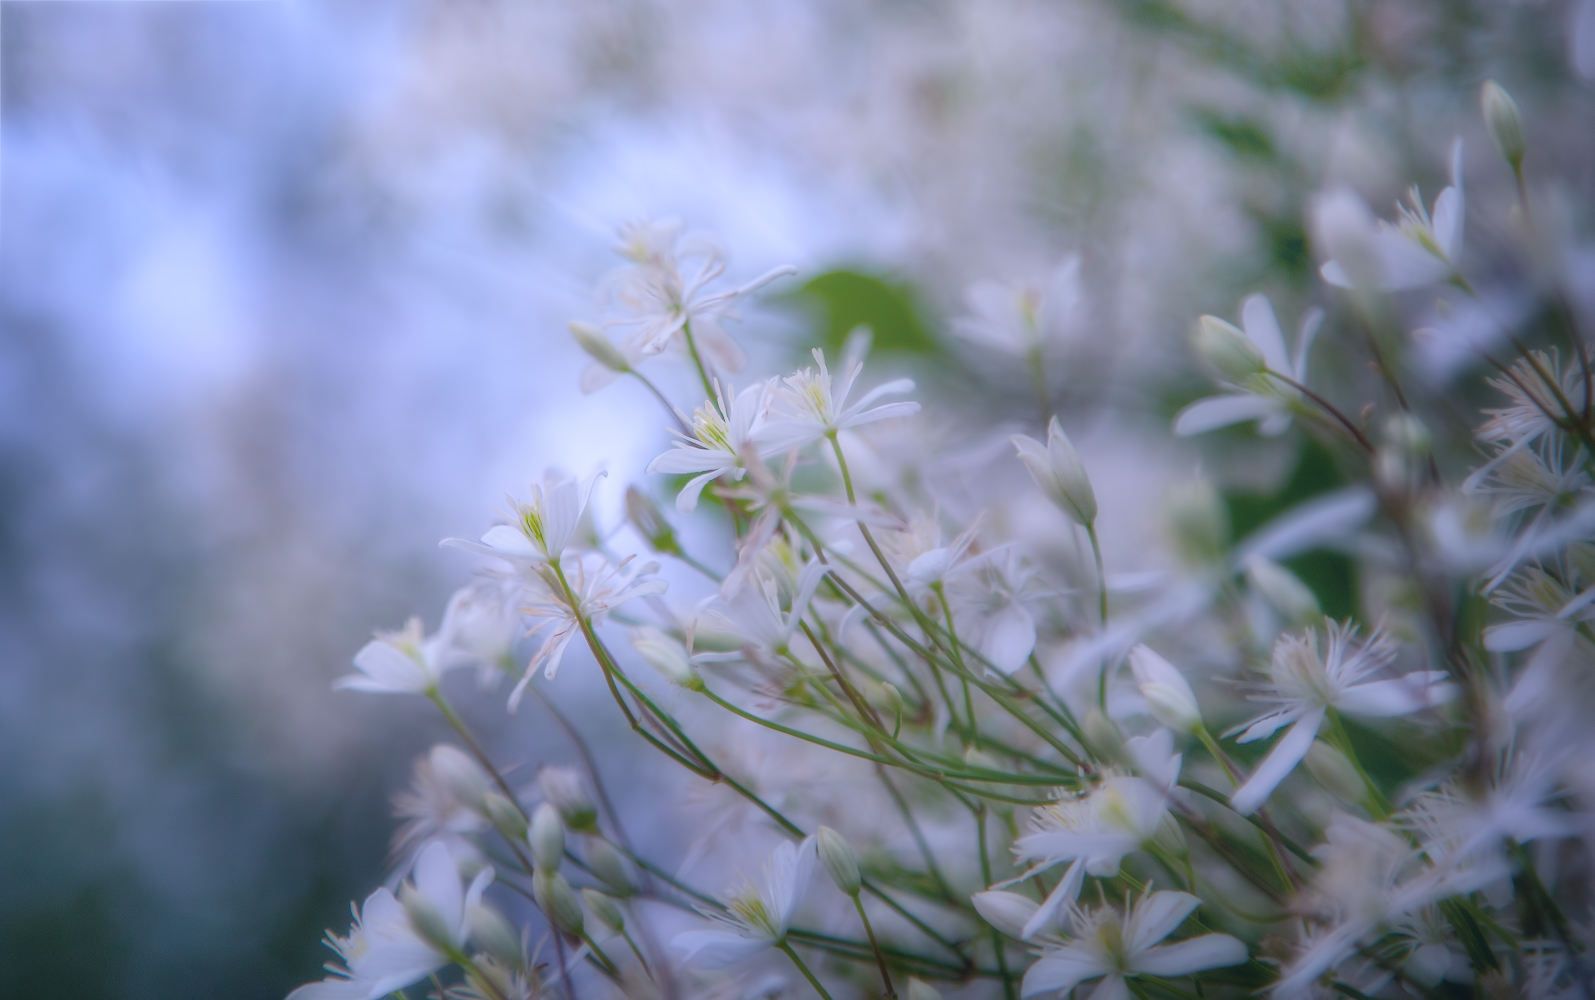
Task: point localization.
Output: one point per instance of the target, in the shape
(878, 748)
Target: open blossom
(663, 289)
(755, 613)
(756, 915)
(407, 661)
(723, 439)
(1421, 248)
(988, 604)
(392, 943)
(1095, 831)
(812, 404)
(597, 586)
(1305, 684)
(1018, 318)
(1259, 396)
(540, 529)
(1104, 945)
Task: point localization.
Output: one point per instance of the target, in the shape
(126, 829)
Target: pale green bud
(599, 347)
(918, 989)
(604, 908)
(505, 816)
(1505, 122)
(610, 867)
(649, 521)
(1057, 469)
(1335, 771)
(837, 855)
(558, 901)
(1104, 735)
(1223, 346)
(454, 770)
(1170, 837)
(547, 838)
(495, 935)
(1284, 590)
(1200, 522)
(563, 787)
(1168, 696)
(425, 920)
(667, 656)
(894, 698)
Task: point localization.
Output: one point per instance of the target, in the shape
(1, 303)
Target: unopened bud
(1006, 911)
(425, 919)
(1168, 696)
(1170, 837)
(610, 867)
(599, 347)
(837, 855)
(649, 521)
(1223, 346)
(454, 770)
(1284, 590)
(1057, 469)
(563, 787)
(1504, 120)
(918, 989)
(1335, 771)
(547, 838)
(495, 935)
(604, 908)
(505, 816)
(1104, 735)
(976, 757)
(558, 901)
(1408, 433)
(1200, 522)
(666, 655)
(894, 698)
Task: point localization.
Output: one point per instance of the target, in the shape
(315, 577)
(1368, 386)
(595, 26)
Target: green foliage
(844, 299)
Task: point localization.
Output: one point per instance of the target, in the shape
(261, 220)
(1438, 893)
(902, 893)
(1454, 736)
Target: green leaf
(841, 300)
(1469, 934)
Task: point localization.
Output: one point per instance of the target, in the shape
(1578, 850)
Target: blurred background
(283, 294)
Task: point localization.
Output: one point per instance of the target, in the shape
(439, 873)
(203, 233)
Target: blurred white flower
(1304, 685)
(1419, 249)
(757, 916)
(1262, 398)
(988, 605)
(1105, 945)
(444, 801)
(393, 944)
(407, 661)
(1020, 319)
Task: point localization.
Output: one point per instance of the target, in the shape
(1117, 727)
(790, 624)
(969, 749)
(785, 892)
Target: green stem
(875, 946)
(697, 359)
(803, 969)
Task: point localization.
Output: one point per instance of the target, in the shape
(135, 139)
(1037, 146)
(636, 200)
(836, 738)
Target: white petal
(332, 989)
(1405, 264)
(1221, 411)
(1010, 637)
(687, 499)
(1448, 212)
(437, 878)
(1006, 911)
(1279, 763)
(1210, 951)
(1513, 636)
(1157, 917)
(691, 458)
(717, 949)
(1330, 518)
(1262, 329)
(1067, 889)
(1061, 969)
(387, 669)
(1399, 696)
(1112, 987)
(509, 541)
(1333, 273)
(891, 388)
(886, 412)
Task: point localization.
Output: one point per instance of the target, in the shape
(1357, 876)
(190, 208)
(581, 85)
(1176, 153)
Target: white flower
(394, 944)
(598, 588)
(1262, 397)
(1019, 318)
(403, 662)
(757, 916)
(1096, 830)
(481, 626)
(1303, 685)
(1459, 823)
(542, 528)
(988, 603)
(1116, 948)
(755, 615)
(664, 288)
(1168, 695)
(445, 799)
(1420, 249)
(1057, 469)
(812, 405)
(723, 433)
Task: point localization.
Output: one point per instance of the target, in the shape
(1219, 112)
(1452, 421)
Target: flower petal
(1210, 951)
(1221, 411)
(1061, 969)
(1399, 696)
(1262, 329)
(1287, 753)
(1156, 917)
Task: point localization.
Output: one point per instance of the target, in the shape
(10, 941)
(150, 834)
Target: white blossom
(757, 915)
(1260, 396)
(1419, 249)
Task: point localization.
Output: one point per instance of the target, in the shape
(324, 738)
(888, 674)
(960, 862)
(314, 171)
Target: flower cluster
(1185, 782)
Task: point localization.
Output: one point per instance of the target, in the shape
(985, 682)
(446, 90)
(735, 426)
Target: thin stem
(1356, 433)
(803, 969)
(680, 423)
(697, 359)
(1102, 577)
(875, 946)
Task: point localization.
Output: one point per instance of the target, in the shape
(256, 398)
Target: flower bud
(918, 989)
(1284, 590)
(1504, 120)
(599, 347)
(1200, 522)
(495, 935)
(547, 838)
(667, 656)
(1170, 837)
(604, 908)
(1104, 735)
(646, 517)
(563, 787)
(1006, 911)
(976, 757)
(505, 816)
(453, 769)
(1335, 772)
(1407, 432)
(558, 901)
(1057, 469)
(894, 698)
(839, 859)
(610, 867)
(1223, 346)
(1168, 697)
(425, 919)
